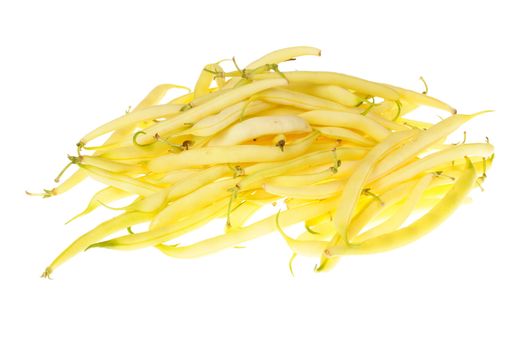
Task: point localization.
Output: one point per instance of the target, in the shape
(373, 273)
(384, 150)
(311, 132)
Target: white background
(66, 67)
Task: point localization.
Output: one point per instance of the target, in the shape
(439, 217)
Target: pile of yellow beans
(343, 156)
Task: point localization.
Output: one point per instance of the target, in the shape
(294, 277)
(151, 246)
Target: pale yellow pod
(244, 234)
(403, 212)
(421, 142)
(356, 181)
(257, 196)
(215, 123)
(125, 183)
(133, 118)
(347, 120)
(481, 164)
(292, 203)
(319, 219)
(335, 93)
(373, 207)
(220, 80)
(153, 98)
(157, 94)
(258, 173)
(328, 144)
(119, 135)
(432, 161)
(229, 154)
(389, 124)
(311, 192)
(330, 78)
(195, 114)
(176, 229)
(134, 152)
(418, 98)
(422, 226)
(305, 247)
(102, 197)
(301, 179)
(393, 110)
(339, 133)
(179, 175)
(275, 57)
(202, 86)
(324, 228)
(345, 163)
(284, 54)
(284, 110)
(76, 178)
(100, 232)
(212, 94)
(367, 209)
(423, 205)
(242, 213)
(298, 99)
(418, 124)
(182, 100)
(309, 244)
(327, 173)
(198, 180)
(151, 203)
(110, 165)
(192, 202)
(259, 126)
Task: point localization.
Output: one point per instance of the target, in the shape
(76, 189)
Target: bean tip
(45, 193)
(95, 245)
(47, 273)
